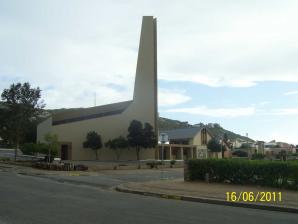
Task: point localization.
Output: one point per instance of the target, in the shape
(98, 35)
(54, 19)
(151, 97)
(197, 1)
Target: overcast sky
(230, 62)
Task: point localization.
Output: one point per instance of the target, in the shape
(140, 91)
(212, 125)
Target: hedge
(266, 173)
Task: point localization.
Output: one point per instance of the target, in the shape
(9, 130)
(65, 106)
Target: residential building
(274, 148)
(185, 143)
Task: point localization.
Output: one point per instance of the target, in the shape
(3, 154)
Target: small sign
(163, 138)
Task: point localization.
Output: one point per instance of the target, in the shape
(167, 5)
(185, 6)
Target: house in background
(185, 143)
(241, 143)
(260, 146)
(275, 148)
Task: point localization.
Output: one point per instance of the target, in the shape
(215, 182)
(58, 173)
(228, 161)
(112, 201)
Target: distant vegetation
(166, 124)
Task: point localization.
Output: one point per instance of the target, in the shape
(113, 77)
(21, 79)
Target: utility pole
(163, 139)
(162, 162)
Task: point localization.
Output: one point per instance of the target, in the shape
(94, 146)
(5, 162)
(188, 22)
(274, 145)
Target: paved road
(26, 199)
(111, 178)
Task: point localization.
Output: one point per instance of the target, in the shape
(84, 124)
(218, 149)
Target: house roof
(182, 133)
(73, 115)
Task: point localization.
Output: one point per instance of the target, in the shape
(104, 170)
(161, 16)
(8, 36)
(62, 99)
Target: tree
(139, 137)
(135, 136)
(93, 141)
(283, 155)
(150, 140)
(31, 133)
(20, 106)
(214, 145)
(216, 125)
(117, 144)
(225, 138)
(224, 143)
(5, 133)
(53, 144)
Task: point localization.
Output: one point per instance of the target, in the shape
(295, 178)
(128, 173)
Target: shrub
(60, 166)
(258, 156)
(4, 159)
(172, 162)
(154, 164)
(80, 167)
(240, 153)
(267, 173)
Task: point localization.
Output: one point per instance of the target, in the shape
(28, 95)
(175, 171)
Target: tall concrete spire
(145, 89)
(146, 72)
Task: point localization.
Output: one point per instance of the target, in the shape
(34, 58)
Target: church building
(112, 120)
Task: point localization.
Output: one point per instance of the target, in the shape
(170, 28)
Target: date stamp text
(249, 196)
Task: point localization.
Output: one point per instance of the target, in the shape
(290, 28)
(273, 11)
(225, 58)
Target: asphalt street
(105, 179)
(109, 179)
(27, 199)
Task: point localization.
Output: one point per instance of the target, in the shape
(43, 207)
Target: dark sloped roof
(73, 115)
(182, 133)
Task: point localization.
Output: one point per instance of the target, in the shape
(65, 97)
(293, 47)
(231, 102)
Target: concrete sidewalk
(212, 193)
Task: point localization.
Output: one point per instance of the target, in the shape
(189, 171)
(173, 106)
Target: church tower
(145, 88)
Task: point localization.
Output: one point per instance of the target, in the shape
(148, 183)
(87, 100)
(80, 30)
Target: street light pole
(163, 139)
(162, 152)
(221, 148)
(162, 155)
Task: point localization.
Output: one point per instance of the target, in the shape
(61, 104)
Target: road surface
(29, 200)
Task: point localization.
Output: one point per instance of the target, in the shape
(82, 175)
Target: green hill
(215, 129)
(166, 124)
(218, 131)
